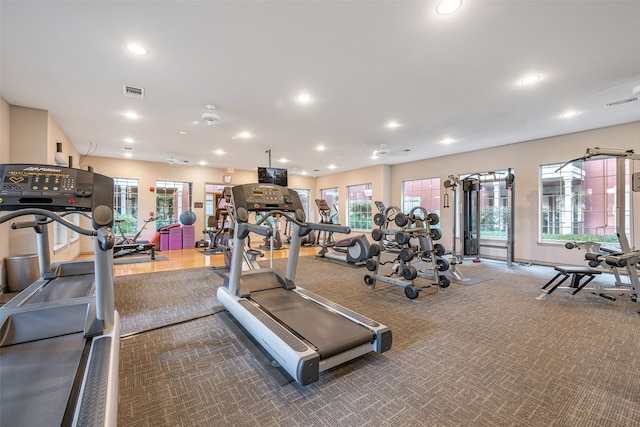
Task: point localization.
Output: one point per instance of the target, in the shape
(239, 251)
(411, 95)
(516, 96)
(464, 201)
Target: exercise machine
(596, 255)
(353, 250)
(59, 337)
(249, 256)
(455, 258)
(305, 333)
(218, 224)
(416, 226)
(471, 212)
(128, 246)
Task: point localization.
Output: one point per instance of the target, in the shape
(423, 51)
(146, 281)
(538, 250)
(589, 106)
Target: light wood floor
(189, 258)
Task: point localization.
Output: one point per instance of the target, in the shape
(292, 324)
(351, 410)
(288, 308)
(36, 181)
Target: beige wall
(33, 134)
(525, 158)
(5, 138)
(378, 176)
(148, 172)
(29, 135)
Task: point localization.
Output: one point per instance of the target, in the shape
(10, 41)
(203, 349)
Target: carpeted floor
(483, 355)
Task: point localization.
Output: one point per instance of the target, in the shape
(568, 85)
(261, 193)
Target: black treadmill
(59, 337)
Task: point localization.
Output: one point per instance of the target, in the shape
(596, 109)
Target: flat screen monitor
(272, 176)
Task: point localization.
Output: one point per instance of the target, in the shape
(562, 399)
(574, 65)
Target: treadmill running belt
(331, 333)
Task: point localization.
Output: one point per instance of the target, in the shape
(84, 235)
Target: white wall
(525, 158)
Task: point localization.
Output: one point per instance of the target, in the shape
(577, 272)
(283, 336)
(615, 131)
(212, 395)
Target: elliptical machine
(353, 250)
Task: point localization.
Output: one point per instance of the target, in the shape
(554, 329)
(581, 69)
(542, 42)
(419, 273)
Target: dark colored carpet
(489, 355)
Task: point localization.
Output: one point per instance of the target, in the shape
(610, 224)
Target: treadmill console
(54, 188)
(264, 198)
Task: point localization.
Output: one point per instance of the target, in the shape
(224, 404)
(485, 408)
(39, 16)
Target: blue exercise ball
(188, 218)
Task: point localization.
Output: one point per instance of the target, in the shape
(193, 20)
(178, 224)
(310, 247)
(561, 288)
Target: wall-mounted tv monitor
(272, 176)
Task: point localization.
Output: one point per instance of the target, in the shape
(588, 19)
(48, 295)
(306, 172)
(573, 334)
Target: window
(125, 205)
(212, 192)
(172, 198)
(421, 192)
(304, 199)
(74, 218)
(359, 207)
(330, 195)
(578, 201)
(493, 203)
(59, 236)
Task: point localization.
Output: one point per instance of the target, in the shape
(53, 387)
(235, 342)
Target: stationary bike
(353, 250)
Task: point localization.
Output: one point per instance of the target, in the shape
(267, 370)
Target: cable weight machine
(471, 211)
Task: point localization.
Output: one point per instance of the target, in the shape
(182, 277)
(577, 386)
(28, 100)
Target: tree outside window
(360, 207)
(172, 199)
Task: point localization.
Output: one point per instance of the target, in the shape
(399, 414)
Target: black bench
(580, 277)
(132, 248)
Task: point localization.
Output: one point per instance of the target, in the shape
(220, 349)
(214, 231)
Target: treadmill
(59, 337)
(305, 333)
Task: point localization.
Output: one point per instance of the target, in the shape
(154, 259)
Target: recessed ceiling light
(131, 115)
(202, 163)
(447, 7)
(533, 78)
(303, 98)
(447, 141)
(129, 140)
(569, 114)
(137, 49)
(321, 147)
(219, 152)
(245, 134)
(283, 160)
(393, 124)
(332, 166)
(304, 172)
(182, 132)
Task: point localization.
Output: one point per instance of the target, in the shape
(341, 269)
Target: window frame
(365, 210)
(588, 204)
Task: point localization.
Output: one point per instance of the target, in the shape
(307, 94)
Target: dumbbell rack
(408, 227)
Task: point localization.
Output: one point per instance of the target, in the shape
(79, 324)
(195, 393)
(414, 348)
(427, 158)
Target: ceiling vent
(133, 92)
(632, 97)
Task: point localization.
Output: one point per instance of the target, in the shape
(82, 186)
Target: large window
(304, 199)
(172, 198)
(359, 207)
(578, 201)
(421, 192)
(60, 236)
(330, 195)
(125, 204)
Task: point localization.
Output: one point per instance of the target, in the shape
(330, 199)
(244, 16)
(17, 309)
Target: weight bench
(580, 277)
(132, 248)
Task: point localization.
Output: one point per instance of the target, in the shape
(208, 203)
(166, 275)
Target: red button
(72, 201)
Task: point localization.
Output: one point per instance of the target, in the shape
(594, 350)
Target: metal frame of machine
(59, 337)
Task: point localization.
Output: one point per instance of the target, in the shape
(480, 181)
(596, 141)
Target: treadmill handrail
(306, 227)
(48, 214)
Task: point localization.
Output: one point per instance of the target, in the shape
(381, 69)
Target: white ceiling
(363, 62)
